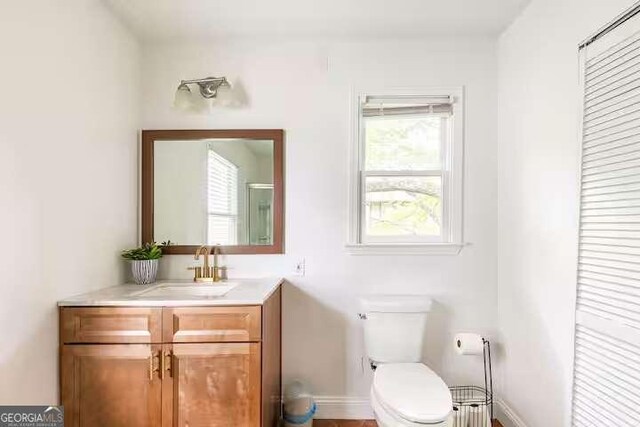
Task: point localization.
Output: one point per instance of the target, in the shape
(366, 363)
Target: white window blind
(222, 196)
(606, 388)
(379, 106)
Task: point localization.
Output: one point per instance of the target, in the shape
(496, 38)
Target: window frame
(451, 240)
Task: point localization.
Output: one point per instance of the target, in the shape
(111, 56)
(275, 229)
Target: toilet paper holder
(473, 405)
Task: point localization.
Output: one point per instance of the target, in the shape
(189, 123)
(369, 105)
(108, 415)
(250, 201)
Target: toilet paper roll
(468, 344)
(460, 416)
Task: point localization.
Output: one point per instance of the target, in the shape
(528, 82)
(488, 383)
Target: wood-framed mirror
(213, 187)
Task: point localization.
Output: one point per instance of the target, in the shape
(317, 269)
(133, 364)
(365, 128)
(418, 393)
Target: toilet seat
(413, 393)
(387, 419)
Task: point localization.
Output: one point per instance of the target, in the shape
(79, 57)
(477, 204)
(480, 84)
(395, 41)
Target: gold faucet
(216, 269)
(206, 273)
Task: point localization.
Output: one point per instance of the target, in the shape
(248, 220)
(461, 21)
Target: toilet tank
(394, 327)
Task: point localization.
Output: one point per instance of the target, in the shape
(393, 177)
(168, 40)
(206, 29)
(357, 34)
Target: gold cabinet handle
(152, 365)
(166, 366)
(162, 365)
(151, 357)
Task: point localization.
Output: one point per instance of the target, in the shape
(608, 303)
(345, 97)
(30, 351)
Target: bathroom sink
(175, 290)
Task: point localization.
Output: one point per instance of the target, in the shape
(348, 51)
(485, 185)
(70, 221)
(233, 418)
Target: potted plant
(144, 262)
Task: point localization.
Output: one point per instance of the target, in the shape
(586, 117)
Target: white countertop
(246, 292)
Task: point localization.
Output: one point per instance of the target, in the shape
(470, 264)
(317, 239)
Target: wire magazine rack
(473, 405)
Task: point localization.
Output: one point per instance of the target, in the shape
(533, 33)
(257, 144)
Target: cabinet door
(111, 385)
(212, 385)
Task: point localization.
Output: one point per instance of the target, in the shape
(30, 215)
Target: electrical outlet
(299, 267)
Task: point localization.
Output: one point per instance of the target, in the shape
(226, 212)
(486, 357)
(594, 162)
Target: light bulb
(225, 96)
(240, 97)
(183, 99)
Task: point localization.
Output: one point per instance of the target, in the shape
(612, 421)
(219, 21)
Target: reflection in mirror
(213, 191)
(260, 213)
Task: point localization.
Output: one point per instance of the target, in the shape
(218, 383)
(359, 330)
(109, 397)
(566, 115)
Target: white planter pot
(144, 271)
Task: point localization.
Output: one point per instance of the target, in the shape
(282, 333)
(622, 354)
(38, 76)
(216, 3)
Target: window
(406, 193)
(222, 196)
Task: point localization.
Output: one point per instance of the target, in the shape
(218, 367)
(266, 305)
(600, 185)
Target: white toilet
(405, 392)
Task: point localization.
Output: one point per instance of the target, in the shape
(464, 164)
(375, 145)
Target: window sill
(404, 249)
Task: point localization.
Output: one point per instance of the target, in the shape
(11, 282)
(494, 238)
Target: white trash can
(299, 406)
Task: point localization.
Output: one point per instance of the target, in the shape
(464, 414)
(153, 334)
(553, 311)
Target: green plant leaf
(147, 251)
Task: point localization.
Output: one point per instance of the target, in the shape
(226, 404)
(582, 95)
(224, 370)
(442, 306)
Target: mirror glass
(213, 191)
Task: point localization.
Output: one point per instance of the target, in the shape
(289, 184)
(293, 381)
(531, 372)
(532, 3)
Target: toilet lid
(413, 391)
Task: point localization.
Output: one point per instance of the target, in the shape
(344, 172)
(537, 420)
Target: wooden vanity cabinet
(210, 366)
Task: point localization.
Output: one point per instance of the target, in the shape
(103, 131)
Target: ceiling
(163, 20)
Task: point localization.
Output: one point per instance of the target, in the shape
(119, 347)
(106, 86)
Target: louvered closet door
(607, 341)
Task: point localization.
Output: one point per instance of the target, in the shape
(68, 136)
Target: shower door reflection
(259, 204)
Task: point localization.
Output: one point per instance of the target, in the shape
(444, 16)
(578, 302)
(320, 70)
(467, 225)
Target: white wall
(304, 87)
(68, 119)
(537, 201)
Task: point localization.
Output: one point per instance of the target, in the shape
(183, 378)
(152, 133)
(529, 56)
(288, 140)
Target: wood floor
(360, 423)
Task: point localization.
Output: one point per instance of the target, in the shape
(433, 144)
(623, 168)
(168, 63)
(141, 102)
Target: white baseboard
(343, 408)
(507, 416)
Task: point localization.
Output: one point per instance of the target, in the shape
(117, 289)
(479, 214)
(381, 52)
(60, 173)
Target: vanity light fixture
(216, 89)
